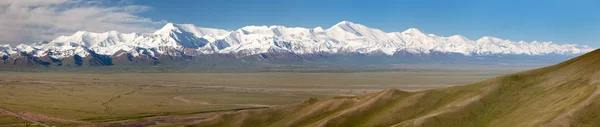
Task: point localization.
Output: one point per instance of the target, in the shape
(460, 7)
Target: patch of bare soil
(180, 98)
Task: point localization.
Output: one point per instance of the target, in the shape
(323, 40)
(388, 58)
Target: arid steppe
(111, 99)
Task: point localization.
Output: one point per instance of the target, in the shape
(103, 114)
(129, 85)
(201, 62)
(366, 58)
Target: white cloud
(26, 21)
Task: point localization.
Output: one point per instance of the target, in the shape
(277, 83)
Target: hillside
(565, 94)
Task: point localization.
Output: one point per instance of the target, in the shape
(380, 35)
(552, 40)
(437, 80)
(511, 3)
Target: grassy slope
(561, 95)
(82, 96)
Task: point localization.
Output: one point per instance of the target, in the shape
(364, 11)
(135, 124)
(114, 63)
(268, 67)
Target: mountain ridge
(342, 38)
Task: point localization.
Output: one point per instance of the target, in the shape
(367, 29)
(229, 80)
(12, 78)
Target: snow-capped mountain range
(343, 37)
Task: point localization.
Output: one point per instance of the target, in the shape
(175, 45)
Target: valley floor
(103, 99)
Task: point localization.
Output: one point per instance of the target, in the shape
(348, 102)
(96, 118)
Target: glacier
(343, 37)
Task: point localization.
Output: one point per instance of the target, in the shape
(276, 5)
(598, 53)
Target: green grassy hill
(565, 94)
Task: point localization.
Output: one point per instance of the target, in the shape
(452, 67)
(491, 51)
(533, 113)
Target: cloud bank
(27, 21)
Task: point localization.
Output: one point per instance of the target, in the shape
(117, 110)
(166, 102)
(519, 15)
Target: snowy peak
(24, 48)
(458, 37)
(318, 29)
(489, 39)
(345, 24)
(179, 36)
(413, 32)
(191, 28)
(350, 27)
(343, 37)
(91, 39)
(167, 29)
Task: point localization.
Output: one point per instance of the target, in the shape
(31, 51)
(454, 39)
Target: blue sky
(574, 21)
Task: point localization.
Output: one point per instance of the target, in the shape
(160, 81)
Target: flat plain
(104, 99)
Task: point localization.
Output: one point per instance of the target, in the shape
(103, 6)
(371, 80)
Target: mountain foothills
(566, 94)
(175, 42)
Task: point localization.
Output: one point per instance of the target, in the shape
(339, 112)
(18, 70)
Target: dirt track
(22, 117)
(107, 107)
(180, 98)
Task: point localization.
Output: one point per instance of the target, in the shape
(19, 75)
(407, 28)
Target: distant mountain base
(273, 60)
